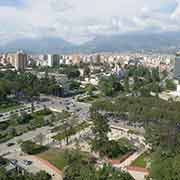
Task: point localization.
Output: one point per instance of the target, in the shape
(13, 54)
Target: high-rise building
(10, 59)
(177, 66)
(20, 60)
(76, 59)
(53, 60)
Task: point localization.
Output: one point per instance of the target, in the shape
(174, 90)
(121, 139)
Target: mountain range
(130, 42)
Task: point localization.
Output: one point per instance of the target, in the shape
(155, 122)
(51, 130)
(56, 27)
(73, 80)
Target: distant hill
(159, 42)
(39, 45)
(168, 41)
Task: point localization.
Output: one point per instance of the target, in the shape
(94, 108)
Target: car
(10, 144)
(78, 109)
(67, 108)
(116, 121)
(13, 161)
(27, 162)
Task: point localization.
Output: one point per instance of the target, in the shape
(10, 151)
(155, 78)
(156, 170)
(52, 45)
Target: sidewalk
(125, 164)
(46, 166)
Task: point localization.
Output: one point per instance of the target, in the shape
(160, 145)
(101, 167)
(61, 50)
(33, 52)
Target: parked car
(27, 162)
(10, 144)
(13, 161)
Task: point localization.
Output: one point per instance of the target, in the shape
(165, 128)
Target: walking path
(46, 166)
(138, 175)
(130, 159)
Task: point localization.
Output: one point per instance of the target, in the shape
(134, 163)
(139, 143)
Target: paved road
(78, 109)
(27, 136)
(55, 103)
(67, 104)
(27, 108)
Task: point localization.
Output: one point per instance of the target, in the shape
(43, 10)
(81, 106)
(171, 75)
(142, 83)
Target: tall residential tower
(177, 67)
(20, 61)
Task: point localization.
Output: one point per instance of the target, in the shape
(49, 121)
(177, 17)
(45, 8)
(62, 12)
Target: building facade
(53, 60)
(177, 66)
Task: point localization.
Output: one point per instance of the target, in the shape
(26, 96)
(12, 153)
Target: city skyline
(89, 90)
(80, 21)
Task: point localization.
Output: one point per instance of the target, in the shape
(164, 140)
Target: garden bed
(121, 158)
(141, 161)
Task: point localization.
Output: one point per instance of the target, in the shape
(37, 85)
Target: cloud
(81, 20)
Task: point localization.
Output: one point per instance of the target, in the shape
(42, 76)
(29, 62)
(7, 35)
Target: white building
(53, 60)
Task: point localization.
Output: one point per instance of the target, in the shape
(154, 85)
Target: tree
(108, 173)
(79, 171)
(42, 175)
(106, 87)
(170, 85)
(160, 118)
(31, 148)
(72, 72)
(74, 85)
(12, 132)
(67, 129)
(13, 119)
(110, 85)
(155, 74)
(40, 138)
(31, 94)
(89, 89)
(24, 118)
(87, 71)
(4, 89)
(117, 86)
(3, 175)
(165, 166)
(86, 171)
(100, 130)
(126, 84)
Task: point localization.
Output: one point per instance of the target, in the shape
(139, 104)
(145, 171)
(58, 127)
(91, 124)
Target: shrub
(3, 126)
(31, 148)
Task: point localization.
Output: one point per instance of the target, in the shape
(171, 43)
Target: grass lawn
(57, 157)
(141, 161)
(10, 108)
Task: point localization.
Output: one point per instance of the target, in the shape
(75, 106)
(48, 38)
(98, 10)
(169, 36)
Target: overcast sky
(81, 20)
